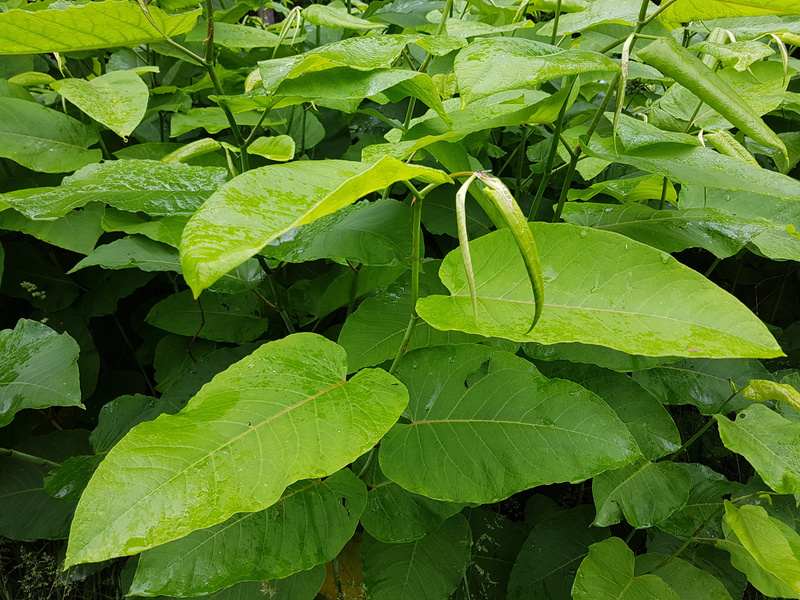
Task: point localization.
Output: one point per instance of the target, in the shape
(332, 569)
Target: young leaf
(428, 569)
(117, 99)
(38, 368)
(328, 16)
(468, 396)
(766, 440)
(607, 573)
(43, 139)
(669, 57)
(308, 526)
(259, 206)
(586, 303)
(94, 25)
(244, 429)
(279, 148)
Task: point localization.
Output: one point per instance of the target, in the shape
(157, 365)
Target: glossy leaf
(279, 148)
(120, 415)
(38, 368)
(767, 441)
(309, 525)
(329, 16)
(242, 429)
(607, 573)
(77, 231)
(105, 24)
(584, 303)
(428, 569)
(492, 65)
(149, 186)
(597, 12)
(117, 99)
(696, 10)
(259, 206)
(535, 430)
(690, 582)
(43, 139)
(133, 252)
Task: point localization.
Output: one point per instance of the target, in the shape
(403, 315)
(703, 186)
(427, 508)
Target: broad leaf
(218, 317)
(308, 526)
(428, 569)
(259, 206)
(608, 574)
(498, 64)
(134, 252)
(243, 429)
(89, 26)
(534, 430)
(149, 186)
(697, 10)
(597, 12)
(549, 559)
(690, 582)
(662, 308)
(77, 231)
(43, 139)
(769, 442)
(644, 494)
(38, 368)
(330, 16)
(279, 148)
(120, 415)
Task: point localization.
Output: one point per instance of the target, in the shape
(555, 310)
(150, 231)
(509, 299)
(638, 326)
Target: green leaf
(166, 230)
(629, 189)
(739, 55)
(38, 369)
(117, 99)
(549, 559)
(218, 317)
(697, 10)
(308, 526)
(395, 516)
(690, 582)
(534, 430)
(673, 60)
(337, 18)
(497, 64)
(645, 493)
(43, 139)
(648, 421)
(705, 384)
(606, 358)
(149, 186)
(213, 120)
(597, 12)
(769, 545)
(134, 252)
(763, 390)
(587, 303)
(768, 442)
(94, 25)
(238, 37)
(301, 586)
(427, 569)
(244, 429)
(674, 230)
(607, 573)
(77, 231)
(68, 480)
(259, 206)
(279, 148)
(120, 415)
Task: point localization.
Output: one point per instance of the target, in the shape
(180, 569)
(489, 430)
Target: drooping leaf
(166, 230)
(768, 442)
(498, 64)
(242, 428)
(607, 573)
(690, 582)
(77, 231)
(672, 59)
(308, 526)
(149, 186)
(534, 430)
(550, 557)
(218, 317)
(259, 206)
(629, 189)
(134, 252)
(644, 494)
(117, 99)
(338, 18)
(94, 25)
(586, 303)
(38, 368)
(606, 358)
(429, 569)
(43, 139)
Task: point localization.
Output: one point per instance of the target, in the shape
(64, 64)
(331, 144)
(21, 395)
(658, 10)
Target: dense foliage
(408, 299)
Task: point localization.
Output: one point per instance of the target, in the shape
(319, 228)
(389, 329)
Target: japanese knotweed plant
(400, 300)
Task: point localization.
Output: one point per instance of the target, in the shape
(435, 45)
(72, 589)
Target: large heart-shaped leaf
(283, 413)
(628, 296)
(38, 368)
(309, 525)
(117, 99)
(88, 26)
(44, 139)
(532, 430)
(259, 206)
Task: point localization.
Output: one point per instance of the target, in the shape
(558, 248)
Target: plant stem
(556, 18)
(30, 458)
(644, 21)
(701, 432)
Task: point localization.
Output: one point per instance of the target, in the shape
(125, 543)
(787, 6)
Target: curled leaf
(463, 239)
(764, 390)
